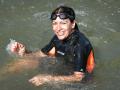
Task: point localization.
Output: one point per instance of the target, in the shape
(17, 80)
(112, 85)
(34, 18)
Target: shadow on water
(28, 22)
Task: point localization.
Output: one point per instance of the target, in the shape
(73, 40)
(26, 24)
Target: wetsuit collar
(71, 35)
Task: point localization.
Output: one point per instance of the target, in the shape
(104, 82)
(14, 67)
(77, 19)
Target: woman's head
(63, 12)
(63, 21)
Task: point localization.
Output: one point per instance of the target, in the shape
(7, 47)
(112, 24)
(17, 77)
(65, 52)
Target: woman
(67, 41)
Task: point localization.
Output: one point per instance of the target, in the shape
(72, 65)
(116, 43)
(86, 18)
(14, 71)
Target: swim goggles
(61, 16)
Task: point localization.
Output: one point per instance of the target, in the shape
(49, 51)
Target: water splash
(9, 46)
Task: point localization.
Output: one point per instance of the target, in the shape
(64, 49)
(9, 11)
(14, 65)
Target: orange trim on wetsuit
(90, 62)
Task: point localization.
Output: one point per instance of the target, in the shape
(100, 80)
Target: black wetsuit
(76, 45)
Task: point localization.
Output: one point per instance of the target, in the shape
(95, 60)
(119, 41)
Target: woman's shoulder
(83, 39)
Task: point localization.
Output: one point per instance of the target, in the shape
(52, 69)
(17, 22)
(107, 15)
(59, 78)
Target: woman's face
(62, 27)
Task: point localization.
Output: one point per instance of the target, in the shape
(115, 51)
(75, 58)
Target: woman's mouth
(60, 33)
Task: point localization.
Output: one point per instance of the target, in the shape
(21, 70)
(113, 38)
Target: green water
(27, 21)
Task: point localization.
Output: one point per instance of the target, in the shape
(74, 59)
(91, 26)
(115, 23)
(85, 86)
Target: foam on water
(9, 46)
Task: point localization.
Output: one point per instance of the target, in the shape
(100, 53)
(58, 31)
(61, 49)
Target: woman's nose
(58, 27)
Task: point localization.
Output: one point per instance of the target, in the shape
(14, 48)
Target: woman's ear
(73, 24)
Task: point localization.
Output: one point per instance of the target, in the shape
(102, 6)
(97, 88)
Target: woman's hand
(18, 48)
(40, 80)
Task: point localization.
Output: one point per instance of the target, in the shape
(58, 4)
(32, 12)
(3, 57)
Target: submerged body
(69, 42)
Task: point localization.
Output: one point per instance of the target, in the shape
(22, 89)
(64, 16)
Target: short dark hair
(67, 10)
(64, 9)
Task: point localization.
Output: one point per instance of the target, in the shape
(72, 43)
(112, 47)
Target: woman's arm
(19, 49)
(41, 79)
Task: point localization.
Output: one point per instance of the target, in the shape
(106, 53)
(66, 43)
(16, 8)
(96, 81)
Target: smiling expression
(62, 27)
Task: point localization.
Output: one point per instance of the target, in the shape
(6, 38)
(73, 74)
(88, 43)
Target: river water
(27, 21)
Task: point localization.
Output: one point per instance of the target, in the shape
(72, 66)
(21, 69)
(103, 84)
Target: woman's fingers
(21, 50)
(38, 80)
(18, 48)
(20, 45)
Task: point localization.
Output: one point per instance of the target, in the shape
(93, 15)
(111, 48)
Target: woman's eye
(63, 23)
(54, 23)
